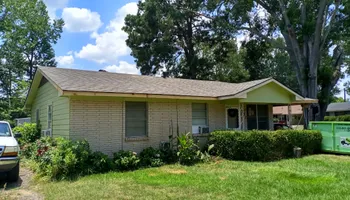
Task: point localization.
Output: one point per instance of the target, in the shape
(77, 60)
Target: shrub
(264, 145)
(330, 118)
(188, 151)
(341, 118)
(99, 162)
(30, 133)
(151, 157)
(126, 160)
(61, 158)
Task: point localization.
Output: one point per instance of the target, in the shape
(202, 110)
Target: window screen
(199, 114)
(135, 119)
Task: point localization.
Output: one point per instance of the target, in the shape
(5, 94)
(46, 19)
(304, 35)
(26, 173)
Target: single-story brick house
(131, 112)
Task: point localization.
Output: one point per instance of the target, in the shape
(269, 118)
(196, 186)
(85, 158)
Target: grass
(313, 177)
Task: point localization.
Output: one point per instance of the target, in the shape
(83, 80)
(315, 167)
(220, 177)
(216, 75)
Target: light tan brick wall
(102, 123)
(217, 116)
(99, 122)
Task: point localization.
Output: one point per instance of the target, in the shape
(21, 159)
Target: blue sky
(92, 37)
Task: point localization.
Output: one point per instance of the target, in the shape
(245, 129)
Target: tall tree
(29, 30)
(170, 35)
(261, 60)
(27, 35)
(311, 30)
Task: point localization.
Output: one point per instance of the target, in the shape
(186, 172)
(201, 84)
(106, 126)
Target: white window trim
(239, 118)
(49, 128)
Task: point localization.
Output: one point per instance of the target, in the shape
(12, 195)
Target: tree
(263, 61)
(171, 36)
(312, 30)
(27, 35)
(28, 30)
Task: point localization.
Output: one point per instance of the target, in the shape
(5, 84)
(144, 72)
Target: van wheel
(13, 175)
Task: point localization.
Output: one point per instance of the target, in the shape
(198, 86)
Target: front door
(258, 117)
(232, 118)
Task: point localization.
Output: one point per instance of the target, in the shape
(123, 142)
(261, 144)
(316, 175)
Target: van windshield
(4, 130)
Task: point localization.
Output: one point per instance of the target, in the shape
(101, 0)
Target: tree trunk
(322, 113)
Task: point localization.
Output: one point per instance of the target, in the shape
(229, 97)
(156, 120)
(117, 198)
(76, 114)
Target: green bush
(99, 162)
(61, 158)
(126, 160)
(151, 157)
(341, 118)
(188, 150)
(264, 145)
(30, 133)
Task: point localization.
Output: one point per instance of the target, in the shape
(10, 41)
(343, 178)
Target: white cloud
(65, 61)
(54, 5)
(110, 45)
(81, 20)
(123, 67)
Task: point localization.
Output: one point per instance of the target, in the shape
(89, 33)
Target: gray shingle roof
(93, 81)
(334, 107)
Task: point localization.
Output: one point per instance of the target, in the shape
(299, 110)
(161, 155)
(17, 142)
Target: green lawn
(313, 177)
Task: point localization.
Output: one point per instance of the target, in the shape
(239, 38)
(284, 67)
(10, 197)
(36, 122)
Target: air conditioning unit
(164, 145)
(46, 133)
(203, 129)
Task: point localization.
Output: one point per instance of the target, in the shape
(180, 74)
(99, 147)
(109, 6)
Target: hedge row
(60, 158)
(342, 118)
(264, 145)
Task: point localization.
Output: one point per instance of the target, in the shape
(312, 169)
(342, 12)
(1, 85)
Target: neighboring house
(131, 112)
(336, 109)
(280, 114)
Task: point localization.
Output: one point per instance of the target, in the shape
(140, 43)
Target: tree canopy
(27, 34)
(174, 38)
(315, 36)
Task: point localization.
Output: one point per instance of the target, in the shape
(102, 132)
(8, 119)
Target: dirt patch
(176, 171)
(21, 189)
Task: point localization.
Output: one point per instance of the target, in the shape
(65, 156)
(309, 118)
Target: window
(199, 114)
(4, 130)
(232, 118)
(49, 117)
(135, 119)
(37, 116)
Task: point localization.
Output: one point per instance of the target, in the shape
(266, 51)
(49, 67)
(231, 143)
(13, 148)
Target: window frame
(239, 118)
(49, 125)
(206, 115)
(146, 122)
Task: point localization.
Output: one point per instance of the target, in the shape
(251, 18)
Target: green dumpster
(336, 136)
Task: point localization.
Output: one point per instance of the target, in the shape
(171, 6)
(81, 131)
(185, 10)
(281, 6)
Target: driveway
(20, 189)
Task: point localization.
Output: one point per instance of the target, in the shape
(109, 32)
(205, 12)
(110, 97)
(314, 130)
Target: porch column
(289, 120)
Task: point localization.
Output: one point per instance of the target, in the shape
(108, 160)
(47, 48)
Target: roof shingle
(94, 81)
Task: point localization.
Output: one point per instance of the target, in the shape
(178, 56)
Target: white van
(9, 159)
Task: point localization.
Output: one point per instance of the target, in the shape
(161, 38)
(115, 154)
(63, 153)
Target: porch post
(289, 121)
(242, 116)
